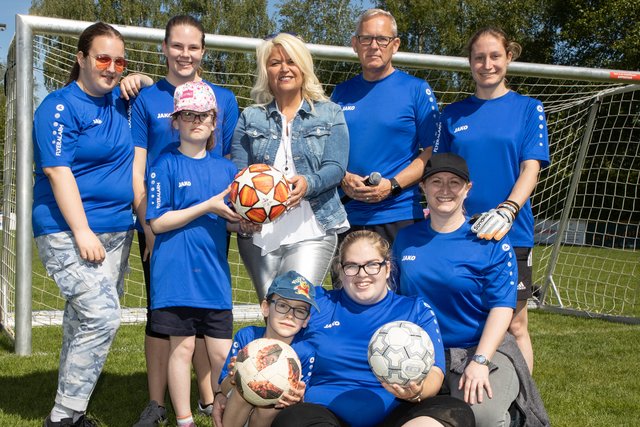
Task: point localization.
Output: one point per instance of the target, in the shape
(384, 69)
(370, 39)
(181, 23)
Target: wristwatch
(480, 359)
(395, 187)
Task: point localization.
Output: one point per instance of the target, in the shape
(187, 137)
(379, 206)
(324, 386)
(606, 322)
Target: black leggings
(447, 410)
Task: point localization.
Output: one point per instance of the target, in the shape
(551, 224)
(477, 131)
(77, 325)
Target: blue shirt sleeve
(501, 277)
(139, 128)
(536, 137)
(159, 197)
(231, 113)
(427, 321)
(427, 116)
(56, 127)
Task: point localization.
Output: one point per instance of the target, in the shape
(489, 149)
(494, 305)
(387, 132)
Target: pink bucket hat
(194, 96)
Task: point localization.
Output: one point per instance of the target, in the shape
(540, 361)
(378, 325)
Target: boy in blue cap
(286, 310)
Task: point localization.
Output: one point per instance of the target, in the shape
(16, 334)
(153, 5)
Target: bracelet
(416, 398)
(216, 394)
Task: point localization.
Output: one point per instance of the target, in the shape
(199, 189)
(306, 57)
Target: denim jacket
(319, 147)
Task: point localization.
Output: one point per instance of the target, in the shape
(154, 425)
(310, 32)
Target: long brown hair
(86, 41)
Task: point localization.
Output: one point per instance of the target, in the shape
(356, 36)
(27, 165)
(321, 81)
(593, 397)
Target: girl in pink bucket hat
(191, 293)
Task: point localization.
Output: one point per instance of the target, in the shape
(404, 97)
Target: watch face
(478, 358)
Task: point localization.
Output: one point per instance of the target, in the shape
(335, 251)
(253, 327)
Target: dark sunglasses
(103, 62)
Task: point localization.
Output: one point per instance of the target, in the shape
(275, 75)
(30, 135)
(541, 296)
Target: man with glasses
(393, 121)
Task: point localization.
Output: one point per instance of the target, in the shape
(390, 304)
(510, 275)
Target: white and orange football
(258, 193)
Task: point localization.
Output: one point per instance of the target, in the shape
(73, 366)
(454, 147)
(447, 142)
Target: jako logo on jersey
(332, 324)
(97, 121)
(184, 184)
(59, 140)
(409, 258)
(164, 115)
(461, 128)
(348, 108)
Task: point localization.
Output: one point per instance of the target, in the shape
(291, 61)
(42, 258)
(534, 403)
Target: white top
(296, 224)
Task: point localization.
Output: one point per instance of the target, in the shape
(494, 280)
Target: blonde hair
(509, 46)
(371, 13)
(311, 88)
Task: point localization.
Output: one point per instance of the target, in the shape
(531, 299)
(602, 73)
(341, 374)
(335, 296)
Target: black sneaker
(62, 422)
(83, 421)
(153, 415)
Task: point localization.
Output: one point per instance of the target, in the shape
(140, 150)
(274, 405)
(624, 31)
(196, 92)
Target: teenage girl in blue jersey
(471, 284)
(183, 47)
(503, 137)
(191, 294)
(343, 390)
(82, 211)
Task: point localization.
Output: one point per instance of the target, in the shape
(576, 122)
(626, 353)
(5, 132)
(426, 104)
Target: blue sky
(8, 13)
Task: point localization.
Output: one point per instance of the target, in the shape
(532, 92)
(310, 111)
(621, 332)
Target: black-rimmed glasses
(283, 308)
(382, 41)
(372, 268)
(190, 116)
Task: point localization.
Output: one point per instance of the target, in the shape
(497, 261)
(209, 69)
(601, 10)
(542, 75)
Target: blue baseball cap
(292, 285)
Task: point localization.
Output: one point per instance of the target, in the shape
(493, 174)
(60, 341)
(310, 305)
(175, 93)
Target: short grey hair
(370, 13)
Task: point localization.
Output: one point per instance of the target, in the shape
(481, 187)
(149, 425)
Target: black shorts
(449, 411)
(190, 321)
(524, 256)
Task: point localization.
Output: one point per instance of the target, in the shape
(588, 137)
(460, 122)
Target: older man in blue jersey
(393, 123)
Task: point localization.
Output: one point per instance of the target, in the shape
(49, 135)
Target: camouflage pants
(92, 309)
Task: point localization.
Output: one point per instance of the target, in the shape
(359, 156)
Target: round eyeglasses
(372, 268)
(383, 41)
(283, 308)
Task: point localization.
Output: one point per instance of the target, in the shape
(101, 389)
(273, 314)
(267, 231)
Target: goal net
(586, 204)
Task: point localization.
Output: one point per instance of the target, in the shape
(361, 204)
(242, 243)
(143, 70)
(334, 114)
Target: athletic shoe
(62, 422)
(152, 415)
(205, 410)
(83, 421)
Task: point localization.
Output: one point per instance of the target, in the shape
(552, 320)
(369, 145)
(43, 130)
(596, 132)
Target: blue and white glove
(496, 223)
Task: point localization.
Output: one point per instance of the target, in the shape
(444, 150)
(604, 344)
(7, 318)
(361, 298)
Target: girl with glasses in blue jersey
(343, 390)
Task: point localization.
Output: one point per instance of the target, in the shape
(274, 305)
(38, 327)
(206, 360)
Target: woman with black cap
(471, 285)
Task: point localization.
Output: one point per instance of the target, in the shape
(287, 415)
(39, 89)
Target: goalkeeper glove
(496, 223)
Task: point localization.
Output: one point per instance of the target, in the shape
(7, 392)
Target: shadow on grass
(116, 401)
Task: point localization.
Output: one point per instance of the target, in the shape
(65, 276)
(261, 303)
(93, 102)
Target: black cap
(446, 162)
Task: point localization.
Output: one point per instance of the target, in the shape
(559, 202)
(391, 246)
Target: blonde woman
(295, 128)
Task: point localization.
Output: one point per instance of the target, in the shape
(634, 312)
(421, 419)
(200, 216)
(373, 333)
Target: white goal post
(586, 205)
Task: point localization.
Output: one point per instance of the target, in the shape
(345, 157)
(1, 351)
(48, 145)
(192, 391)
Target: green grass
(586, 370)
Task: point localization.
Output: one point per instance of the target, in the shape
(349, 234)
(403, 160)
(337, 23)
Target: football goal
(586, 205)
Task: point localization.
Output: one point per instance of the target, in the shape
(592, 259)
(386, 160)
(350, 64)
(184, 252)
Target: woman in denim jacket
(296, 129)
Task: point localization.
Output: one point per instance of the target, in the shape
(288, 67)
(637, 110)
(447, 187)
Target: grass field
(586, 369)
(600, 280)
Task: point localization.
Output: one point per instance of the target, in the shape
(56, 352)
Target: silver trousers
(310, 258)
